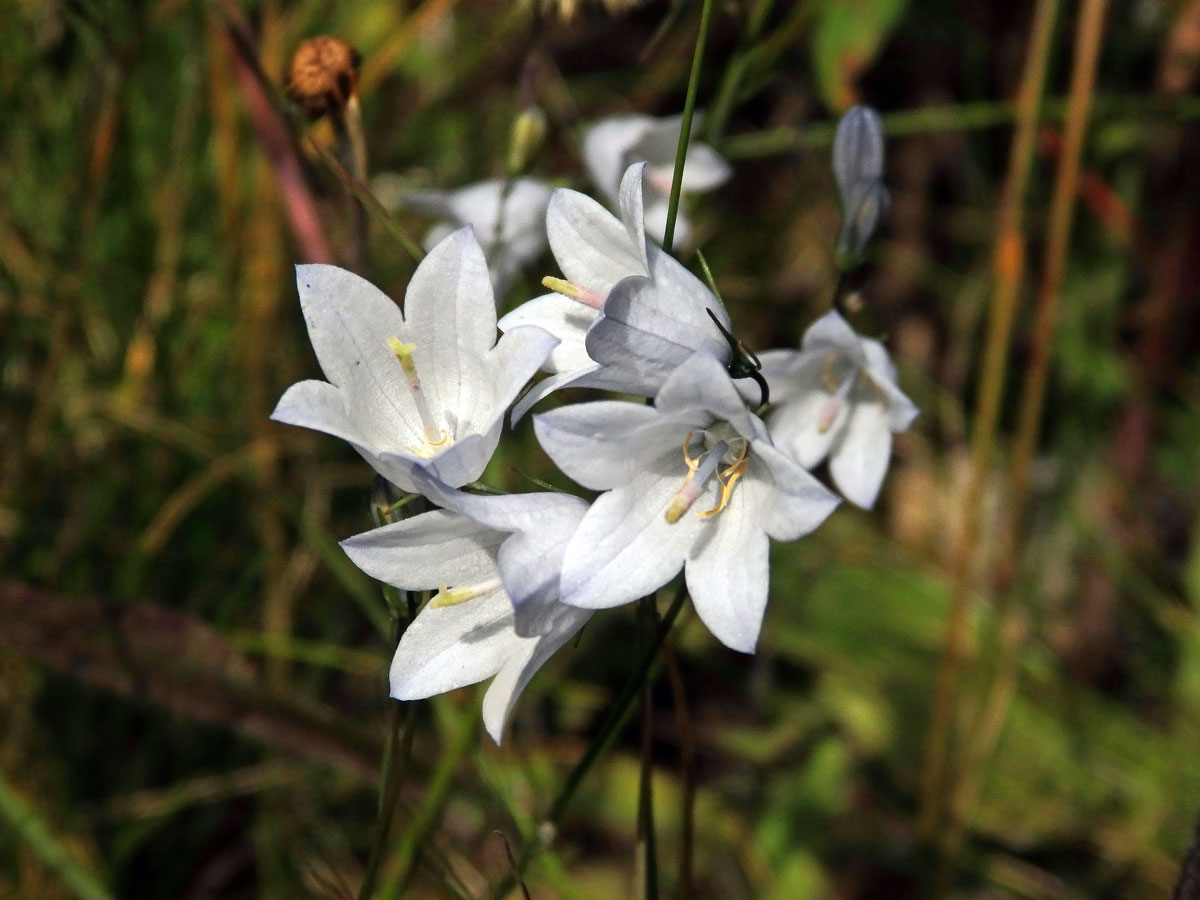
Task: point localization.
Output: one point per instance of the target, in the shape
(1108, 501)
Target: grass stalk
(685, 126)
(1009, 267)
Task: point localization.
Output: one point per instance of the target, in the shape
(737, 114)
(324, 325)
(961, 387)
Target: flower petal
(727, 576)
(604, 443)
(592, 246)
(322, 407)
(901, 410)
(429, 551)
(794, 503)
(703, 383)
(859, 460)
(624, 548)
(546, 386)
(450, 317)
(649, 328)
(560, 626)
(566, 319)
(831, 332)
(632, 212)
(453, 646)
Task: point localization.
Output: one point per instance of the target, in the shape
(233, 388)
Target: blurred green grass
(149, 323)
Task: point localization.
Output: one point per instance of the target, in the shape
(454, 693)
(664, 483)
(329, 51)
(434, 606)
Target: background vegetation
(192, 676)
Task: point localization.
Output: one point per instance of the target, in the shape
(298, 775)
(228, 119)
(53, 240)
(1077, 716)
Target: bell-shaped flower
(691, 482)
(495, 563)
(611, 145)
(837, 397)
(627, 313)
(858, 170)
(508, 215)
(427, 388)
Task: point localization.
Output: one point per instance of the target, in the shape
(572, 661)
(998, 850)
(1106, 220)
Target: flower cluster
(699, 479)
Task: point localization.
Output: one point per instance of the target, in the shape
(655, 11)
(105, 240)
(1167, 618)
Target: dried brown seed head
(323, 75)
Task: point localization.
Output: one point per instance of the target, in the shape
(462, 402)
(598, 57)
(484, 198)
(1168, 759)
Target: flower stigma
(454, 596)
(586, 296)
(701, 469)
(435, 438)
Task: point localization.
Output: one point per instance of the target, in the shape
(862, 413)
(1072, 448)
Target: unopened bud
(323, 75)
(858, 149)
(525, 141)
(861, 214)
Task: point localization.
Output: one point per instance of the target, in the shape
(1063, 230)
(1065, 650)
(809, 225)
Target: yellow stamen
(454, 596)
(584, 295)
(728, 478)
(404, 354)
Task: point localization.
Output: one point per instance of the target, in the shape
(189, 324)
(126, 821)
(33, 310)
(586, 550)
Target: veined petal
(703, 383)
(624, 548)
(604, 443)
(453, 646)
(547, 386)
(349, 321)
(451, 320)
(727, 576)
(632, 212)
(591, 245)
(606, 147)
(515, 359)
(519, 668)
(648, 329)
(859, 460)
(791, 502)
(429, 551)
(322, 407)
(566, 319)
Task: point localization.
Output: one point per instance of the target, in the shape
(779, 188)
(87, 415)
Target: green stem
(956, 118)
(685, 127)
(425, 817)
(24, 821)
(647, 846)
(617, 717)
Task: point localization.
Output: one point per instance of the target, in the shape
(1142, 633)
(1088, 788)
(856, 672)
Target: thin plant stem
(956, 118)
(370, 204)
(1009, 266)
(613, 724)
(647, 849)
(396, 756)
(1062, 208)
(685, 126)
(425, 817)
(687, 773)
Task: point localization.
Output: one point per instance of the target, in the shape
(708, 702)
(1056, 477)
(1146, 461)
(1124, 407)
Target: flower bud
(857, 150)
(528, 132)
(323, 75)
(861, 214)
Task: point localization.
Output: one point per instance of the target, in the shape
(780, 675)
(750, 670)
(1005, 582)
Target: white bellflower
(691, 482)
(426, 388)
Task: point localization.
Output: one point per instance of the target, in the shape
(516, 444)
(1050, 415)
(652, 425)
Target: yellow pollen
(682, 501)
(404, 354)
(579, 293)
(434, 438)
